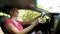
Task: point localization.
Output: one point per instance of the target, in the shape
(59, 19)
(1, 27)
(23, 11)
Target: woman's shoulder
(7, 21)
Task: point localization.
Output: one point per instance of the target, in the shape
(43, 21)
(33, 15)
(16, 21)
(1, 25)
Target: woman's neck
(13, 18)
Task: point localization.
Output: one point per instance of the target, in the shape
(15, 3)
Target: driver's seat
(2, 19)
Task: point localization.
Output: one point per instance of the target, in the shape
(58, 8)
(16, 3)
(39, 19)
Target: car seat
(2, 19)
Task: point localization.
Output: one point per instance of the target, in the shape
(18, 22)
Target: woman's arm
(14, 30)
(30, 20)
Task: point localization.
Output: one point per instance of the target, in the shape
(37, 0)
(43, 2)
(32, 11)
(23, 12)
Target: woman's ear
(10, 12)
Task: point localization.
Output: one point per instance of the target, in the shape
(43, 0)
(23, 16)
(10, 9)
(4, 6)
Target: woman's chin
(16, 16)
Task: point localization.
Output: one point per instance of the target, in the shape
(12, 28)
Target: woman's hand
(37, 21)
(40, 19)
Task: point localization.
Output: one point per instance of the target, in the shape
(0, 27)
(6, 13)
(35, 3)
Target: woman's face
(14, 12)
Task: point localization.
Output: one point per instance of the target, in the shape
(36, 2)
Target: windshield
(52, 6)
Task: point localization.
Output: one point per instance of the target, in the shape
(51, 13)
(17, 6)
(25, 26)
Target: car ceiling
(21, 4)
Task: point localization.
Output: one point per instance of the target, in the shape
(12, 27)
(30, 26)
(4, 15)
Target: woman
(14, 26)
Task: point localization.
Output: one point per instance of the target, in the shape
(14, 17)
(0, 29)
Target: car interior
(52, 26)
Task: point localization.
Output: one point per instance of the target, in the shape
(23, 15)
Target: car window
(27, 14)
(4, 14)
(52, 6)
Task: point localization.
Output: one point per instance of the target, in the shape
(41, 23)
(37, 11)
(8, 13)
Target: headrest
(2, 19)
